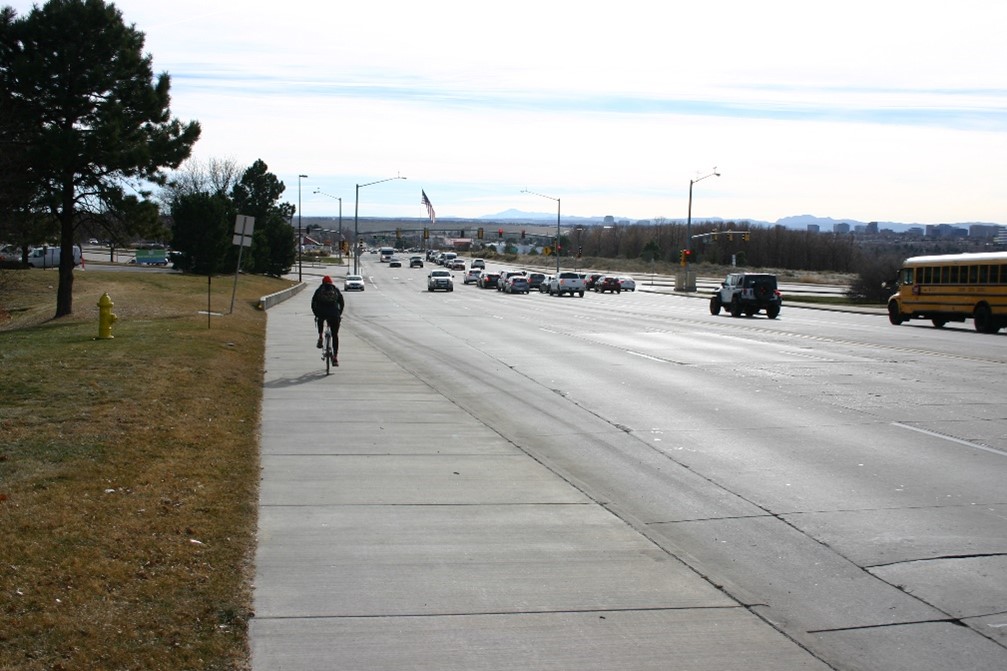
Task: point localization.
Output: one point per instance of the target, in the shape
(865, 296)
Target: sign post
(243, 226)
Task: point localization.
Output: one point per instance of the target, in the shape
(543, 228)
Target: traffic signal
(480, 233)
(522, 234)
(499, 232)
(461, 233)
(426, 233)
(398, 233)
(730, 236)
(684, 256)
(744, 236)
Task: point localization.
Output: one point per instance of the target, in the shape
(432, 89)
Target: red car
(608, 283)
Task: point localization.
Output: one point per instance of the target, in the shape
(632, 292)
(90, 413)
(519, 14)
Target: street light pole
(340, 218)
(356, 221)
(688, 221)
(300, 237)
(557, 222)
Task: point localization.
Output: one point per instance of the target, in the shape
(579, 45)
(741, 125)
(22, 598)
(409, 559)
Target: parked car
(488, 280)
(48, 257)
(472, 276)
(395, 262)
(415, 261)
(10, 254)
(608, 283)
(516, 284)
(627, 283)
(440, 279)
(353, 283)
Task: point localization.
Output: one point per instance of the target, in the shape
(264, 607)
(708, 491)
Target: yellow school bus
(953, 288)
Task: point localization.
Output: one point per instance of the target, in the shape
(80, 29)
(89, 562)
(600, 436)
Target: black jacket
(323, 308)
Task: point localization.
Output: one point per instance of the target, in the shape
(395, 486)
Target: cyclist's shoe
(319, 343)
(335, 361)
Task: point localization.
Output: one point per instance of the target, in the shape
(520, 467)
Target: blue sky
(873, 111)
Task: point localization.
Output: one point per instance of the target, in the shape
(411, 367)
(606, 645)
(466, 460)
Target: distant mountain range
(797, 222)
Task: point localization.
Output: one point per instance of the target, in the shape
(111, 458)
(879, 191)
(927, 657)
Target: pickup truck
(566, 283)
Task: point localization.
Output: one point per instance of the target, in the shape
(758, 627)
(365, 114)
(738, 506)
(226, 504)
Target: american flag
(430, 207)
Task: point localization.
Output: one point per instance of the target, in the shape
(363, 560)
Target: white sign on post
(243, 226)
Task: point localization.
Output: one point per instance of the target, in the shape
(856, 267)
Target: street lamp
(356, 222)
(688, 222)
(300, 238)
(319, 191)
(557, 222)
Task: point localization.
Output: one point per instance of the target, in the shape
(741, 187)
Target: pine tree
(99, 119)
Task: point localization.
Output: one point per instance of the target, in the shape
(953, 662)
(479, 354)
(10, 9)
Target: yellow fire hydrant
(105, 317)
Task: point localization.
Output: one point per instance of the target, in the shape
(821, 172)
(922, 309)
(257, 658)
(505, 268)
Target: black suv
(747, 293)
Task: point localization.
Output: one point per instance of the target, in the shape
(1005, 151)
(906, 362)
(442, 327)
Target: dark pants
(334, 325)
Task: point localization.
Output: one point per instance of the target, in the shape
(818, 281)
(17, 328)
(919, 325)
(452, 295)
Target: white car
(353, 283)
(472, 276)
(627, 283)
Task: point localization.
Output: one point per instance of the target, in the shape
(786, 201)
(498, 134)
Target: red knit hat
(326, 280)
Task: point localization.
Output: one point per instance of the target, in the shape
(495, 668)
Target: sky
(887, 110)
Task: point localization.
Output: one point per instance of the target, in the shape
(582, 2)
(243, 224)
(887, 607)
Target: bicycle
(328, 356)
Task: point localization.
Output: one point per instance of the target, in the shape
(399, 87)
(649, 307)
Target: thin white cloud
(890, 111)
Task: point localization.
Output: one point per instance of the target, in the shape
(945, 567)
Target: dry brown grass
(128, 472)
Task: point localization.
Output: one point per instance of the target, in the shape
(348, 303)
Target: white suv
(440, 279)
(747, 293)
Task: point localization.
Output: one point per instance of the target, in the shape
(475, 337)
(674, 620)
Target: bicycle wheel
(327, 352)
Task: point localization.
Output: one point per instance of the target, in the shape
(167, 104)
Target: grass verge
(128, 472)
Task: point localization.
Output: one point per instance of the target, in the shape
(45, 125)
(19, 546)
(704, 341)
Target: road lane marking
(966, 443)
(646, 356)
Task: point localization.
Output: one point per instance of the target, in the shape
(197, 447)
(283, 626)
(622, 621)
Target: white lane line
(646, 356)
(966, 443)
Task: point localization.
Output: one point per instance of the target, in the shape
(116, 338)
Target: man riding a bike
(327, 305)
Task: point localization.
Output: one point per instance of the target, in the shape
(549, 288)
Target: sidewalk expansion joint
(910, 623)
(601, 612)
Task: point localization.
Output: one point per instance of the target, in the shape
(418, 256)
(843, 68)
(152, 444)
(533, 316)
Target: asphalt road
(840, 478)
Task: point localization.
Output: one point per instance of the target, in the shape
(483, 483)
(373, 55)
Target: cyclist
(327, 305)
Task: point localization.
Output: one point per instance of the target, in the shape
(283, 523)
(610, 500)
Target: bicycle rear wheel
(327, 352)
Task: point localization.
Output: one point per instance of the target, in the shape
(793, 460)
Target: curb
(268, 301)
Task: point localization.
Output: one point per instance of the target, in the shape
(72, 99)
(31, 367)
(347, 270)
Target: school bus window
(984, 274)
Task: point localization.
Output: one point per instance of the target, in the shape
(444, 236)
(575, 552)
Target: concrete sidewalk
(396, 531)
